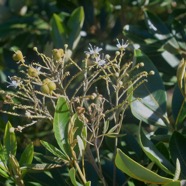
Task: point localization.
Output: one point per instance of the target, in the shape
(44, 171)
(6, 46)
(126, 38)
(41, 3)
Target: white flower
(122, 45)
(100, 61)
(93, 50)
(14, 83)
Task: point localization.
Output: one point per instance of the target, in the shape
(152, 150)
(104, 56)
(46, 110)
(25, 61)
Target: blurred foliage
(156, 31)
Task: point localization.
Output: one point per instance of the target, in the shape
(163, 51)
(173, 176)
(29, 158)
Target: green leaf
(58, 31)
(15, 170)
(156, 26)
(154, 155)
(72, 174)
(136, 33)
(88, 183)
(60, 124)
(173, 183)
(27, 155)
(137, 171)
(3, 154)
(75, 24)
(151, 108)
(80, 145)
(178, 151)
(55, 151)
(80, 130)
(178, 108)
(3, 173)
(3, 162)
(9, 139)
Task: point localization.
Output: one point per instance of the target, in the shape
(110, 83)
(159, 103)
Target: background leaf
(58, 31)
(137, 171)
(156, 26)
(9, 139)
(72, 174)
(27, 156)
(75, 24)
(154, 155)
(177, 150)
(152, 105)
(55, 151)
(60, 124)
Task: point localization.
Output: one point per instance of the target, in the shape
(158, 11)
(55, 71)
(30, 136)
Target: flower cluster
(100, 60)
(59, 75)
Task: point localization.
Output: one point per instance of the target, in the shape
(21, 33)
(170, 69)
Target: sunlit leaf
(55, 151)
(60, 124)
(9, 139)
(81, 131)
(75, 24)
(72, 174)
(15, 170)
(156, 26)
(27, 155)
(151, 108)
(137, 171)
(154, 155)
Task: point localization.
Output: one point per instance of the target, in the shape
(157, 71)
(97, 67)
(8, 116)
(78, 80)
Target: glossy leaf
(55, 151)
(75, 24)
(27, 155)
(151, 108)
(3, 162)
(60, 124)
(137, 33)
(9, 139)
(15, 170)
(58, 31)
(72, 174)
(137, 171)
(3, 173)
(80, 132)
(177, 150)
(174, 183)
(154, 155)
(156, 26)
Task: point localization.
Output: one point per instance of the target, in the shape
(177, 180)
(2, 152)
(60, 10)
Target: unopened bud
(151, 73)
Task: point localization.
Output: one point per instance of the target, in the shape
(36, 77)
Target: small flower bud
(120, 83)
(35, 49)
(45, 89)
(117, 53)
(46, 81)
(117, 74)
(107, 56)
(66, 46)
(151, 73)
(141, 64)
(51, 86)
(33, 72)
(18, 56)
(58, 54)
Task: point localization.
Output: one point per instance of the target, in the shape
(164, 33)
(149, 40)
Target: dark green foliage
(148, 147)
